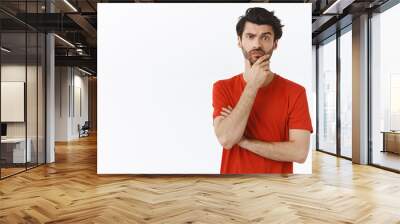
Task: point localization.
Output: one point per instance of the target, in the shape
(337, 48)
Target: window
(327, 96)
(346, 94)
(385, 89)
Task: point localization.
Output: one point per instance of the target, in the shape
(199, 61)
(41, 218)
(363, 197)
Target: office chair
(84, 130)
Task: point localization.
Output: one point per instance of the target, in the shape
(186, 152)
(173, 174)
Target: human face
(256, 41)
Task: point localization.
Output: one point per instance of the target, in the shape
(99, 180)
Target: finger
(267, 62)
(224, 114)
(261, 59)
(264, 63)
(229, 107)
(226, 110)
(264, 67)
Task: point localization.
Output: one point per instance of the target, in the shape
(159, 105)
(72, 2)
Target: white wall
(80, 84)
(68, 81)
(12, 101)
(61, 103)
(14, 73)
(155, 80)
(17, 73)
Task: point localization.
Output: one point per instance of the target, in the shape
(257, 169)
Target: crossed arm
(294, 150)
(230, 125)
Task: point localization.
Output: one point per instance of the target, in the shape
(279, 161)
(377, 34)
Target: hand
(242, 142)
(259, 72)
(226, 111)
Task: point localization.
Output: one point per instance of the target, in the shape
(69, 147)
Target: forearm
(232, 127)
(289, 151)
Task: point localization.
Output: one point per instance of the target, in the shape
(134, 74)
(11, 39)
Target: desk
(391, 141)
(13, 150)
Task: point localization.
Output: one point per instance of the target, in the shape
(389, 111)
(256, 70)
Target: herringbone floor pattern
(70, 191)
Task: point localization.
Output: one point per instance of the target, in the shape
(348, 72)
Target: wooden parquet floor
(70, 191)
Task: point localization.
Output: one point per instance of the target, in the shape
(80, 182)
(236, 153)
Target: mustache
(260, 51)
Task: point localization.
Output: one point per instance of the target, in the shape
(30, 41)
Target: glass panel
(346, 94)
(32, 92)
(41, 99)
(13, 89)
(386, 89)
(22, 88)
(327, 97)
(32, 88)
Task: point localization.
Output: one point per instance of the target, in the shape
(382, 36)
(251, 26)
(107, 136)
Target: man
(260, 118)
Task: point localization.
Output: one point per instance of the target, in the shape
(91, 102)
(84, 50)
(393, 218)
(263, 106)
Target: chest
(270, 107)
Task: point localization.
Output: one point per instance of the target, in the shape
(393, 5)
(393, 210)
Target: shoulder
(292, 88)
(227, 83)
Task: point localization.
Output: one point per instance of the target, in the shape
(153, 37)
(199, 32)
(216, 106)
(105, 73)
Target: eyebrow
(265, 33)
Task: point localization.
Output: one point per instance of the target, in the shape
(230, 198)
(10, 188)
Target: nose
(256, 43)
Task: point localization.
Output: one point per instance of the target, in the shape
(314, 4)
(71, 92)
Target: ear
(275, 44)
(239, 42)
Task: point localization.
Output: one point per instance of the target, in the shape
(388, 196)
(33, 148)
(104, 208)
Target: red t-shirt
(278, 107)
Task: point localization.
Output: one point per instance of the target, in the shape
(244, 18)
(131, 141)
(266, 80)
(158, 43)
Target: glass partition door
(327, 96)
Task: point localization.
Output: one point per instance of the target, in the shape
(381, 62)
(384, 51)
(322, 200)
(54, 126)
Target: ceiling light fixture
(70, 5)
(84, 71)
(64, 40)
(5, 50)
(337, 7)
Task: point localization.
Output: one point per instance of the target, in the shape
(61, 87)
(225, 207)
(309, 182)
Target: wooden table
(391, 141)
(13, 150)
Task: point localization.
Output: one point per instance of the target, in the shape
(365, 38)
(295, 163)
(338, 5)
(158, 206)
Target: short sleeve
(299, 116)
(219, 98)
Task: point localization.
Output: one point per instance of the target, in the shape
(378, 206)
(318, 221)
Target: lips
(259, 54)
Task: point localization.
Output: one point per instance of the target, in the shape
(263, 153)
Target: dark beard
(247, 55)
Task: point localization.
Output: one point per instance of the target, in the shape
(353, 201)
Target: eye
(250, 36)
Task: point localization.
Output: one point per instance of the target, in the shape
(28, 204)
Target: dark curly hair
(260, 16)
